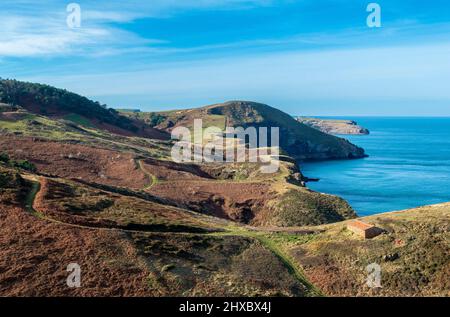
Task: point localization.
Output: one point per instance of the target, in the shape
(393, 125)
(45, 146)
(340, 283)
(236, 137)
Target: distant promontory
(334, 126)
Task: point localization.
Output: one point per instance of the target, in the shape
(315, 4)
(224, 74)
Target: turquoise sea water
(409, 166)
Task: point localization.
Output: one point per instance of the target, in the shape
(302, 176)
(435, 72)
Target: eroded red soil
(231, 200)
(170, 171)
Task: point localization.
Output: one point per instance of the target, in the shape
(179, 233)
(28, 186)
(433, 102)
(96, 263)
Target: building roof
(360, 225)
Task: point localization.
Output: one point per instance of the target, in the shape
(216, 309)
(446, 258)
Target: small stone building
(365, 230)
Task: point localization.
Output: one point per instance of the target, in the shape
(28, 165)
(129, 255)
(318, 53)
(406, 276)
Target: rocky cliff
(334, 126)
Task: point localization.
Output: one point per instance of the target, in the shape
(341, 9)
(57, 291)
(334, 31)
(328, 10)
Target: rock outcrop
(334, 126)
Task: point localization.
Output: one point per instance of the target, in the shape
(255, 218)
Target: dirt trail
(29, 201)
(30, 207)
(294, 268)
(152, 179)
(271, 245)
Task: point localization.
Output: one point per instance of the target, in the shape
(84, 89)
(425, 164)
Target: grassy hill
(126, 246)
(60, 103)
(140, 224)
(413, 254)
(134, 246)
(297, 139)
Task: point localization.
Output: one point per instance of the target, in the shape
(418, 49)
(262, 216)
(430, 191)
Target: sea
(408, 165)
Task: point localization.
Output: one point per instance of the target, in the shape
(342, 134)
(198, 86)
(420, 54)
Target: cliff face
(298, 140)
(332, 126)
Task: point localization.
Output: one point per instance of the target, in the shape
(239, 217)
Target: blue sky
(309, 57)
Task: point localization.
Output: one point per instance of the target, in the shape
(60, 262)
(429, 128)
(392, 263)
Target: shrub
(156, 119)
(4, 158)
(22, 164)
(25, 165)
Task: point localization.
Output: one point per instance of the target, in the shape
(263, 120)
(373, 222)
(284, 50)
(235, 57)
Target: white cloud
(29, 29)
(35, 36)
(49, 35)
(407, 73)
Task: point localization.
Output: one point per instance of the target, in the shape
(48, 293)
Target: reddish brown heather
(77, 161)
(35, 254)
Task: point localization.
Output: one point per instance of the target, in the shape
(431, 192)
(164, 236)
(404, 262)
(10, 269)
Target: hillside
(298, 140)
(140, 224)
(59, 103)
(126, 245)
(334, 126)
(414, 255)
(236, 192)
(133, 245)
(68, 147)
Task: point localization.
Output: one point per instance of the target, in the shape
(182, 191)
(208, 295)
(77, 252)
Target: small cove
(408, 165)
